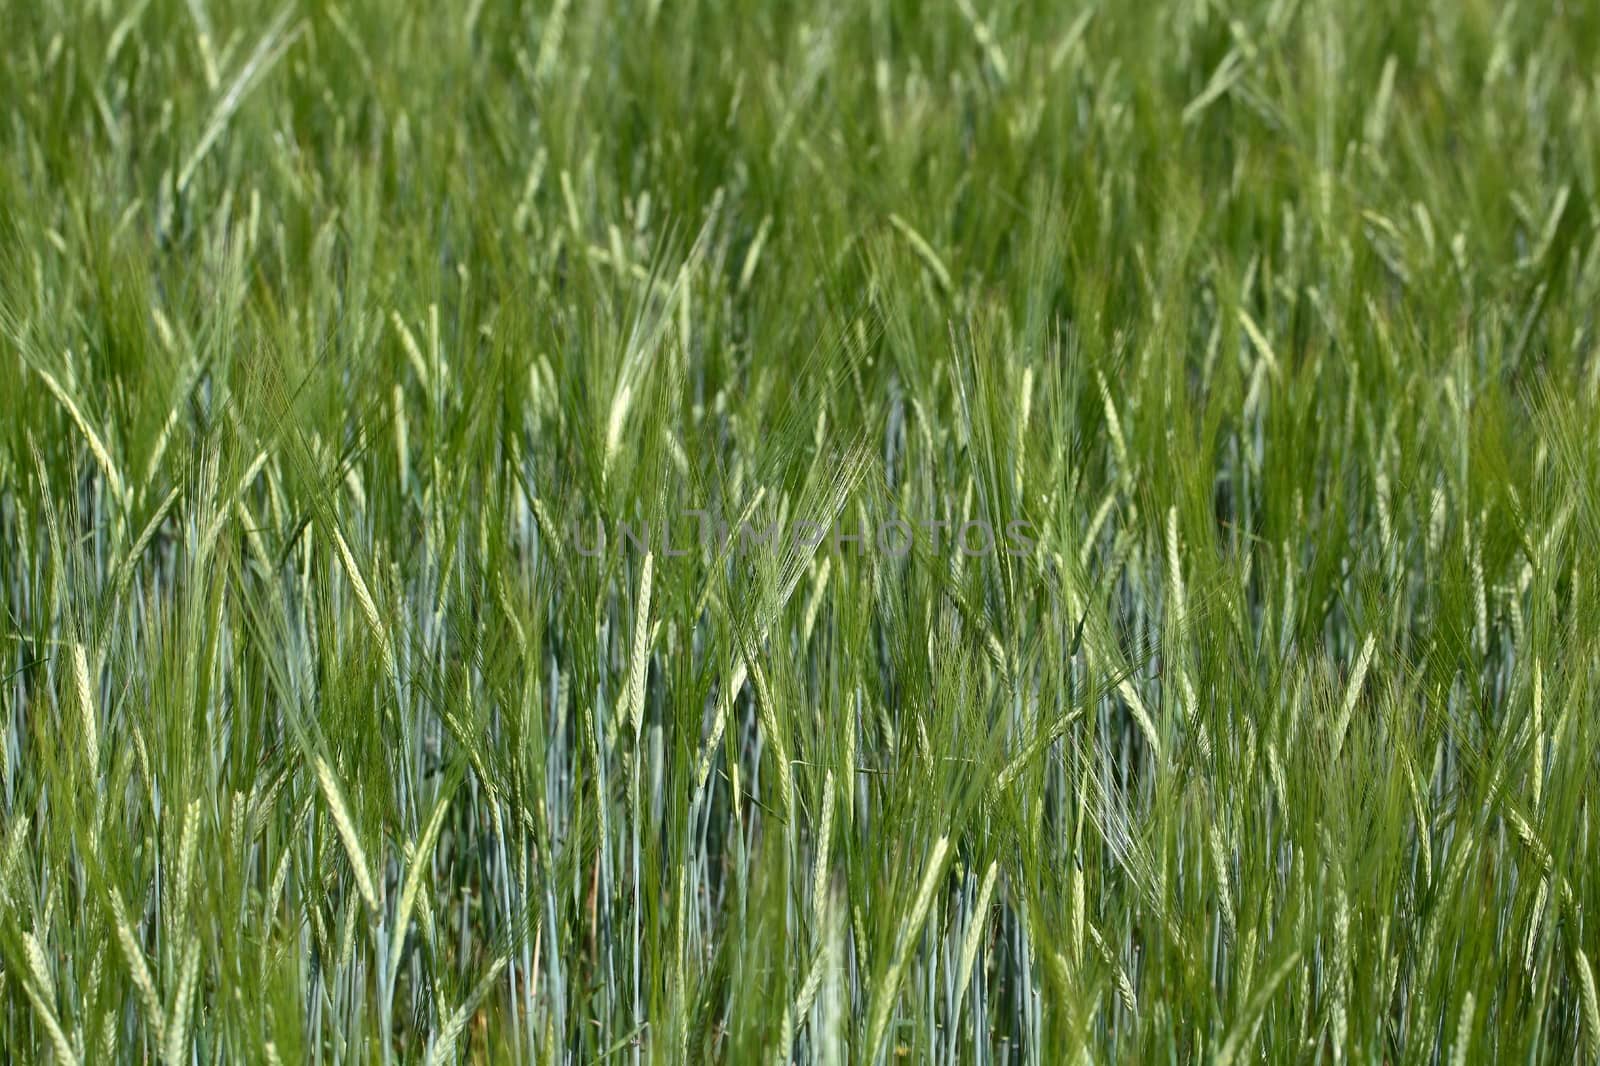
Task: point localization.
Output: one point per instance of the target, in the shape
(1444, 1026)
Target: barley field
(969, 531)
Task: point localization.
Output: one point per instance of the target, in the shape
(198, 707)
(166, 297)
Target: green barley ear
(1242, 1033)
(345, 825)
(97, 446)
(442, 1047)
(84, 691)
(977, 926)
(888, 985)
(60, 1046)
(631, 709)
(820, 876)
(176, 1047)
(417, 873)
(1591, 1003)
(1352, 694)
(1463, 1041)
(133, 954)
(369, 606)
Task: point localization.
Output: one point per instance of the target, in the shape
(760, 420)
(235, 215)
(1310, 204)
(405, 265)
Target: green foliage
(324, 325)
